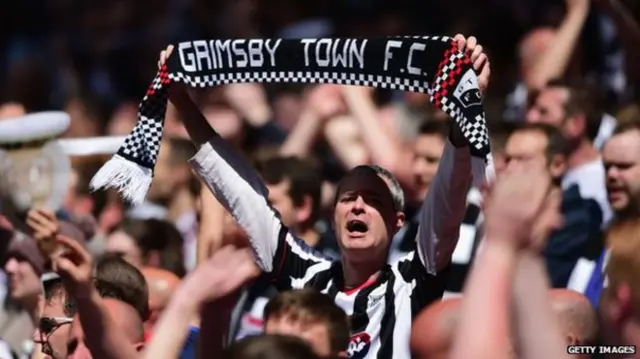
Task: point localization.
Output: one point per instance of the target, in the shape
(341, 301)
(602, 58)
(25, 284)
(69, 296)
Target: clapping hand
(74, 264)
(220, 275)
(522, 208)
(45, 227)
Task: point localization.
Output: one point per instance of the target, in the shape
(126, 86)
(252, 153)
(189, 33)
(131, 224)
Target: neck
(309, 235)
(358, 273)
(181, 203)
(584, 153)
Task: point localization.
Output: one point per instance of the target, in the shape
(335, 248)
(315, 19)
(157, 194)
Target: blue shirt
(189, 349)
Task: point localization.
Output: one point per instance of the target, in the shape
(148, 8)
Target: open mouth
(357, 226)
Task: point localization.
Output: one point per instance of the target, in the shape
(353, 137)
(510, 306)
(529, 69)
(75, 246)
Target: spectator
(579, 238)
(148, 242)
(162, 284)
(574, 111)
(54, 327)
(313, 317)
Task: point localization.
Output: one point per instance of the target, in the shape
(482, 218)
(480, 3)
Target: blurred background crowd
(573, 65)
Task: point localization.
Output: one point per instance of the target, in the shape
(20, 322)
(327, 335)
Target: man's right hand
(178, 91)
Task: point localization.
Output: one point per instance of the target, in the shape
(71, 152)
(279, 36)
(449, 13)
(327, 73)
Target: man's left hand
(479, 59)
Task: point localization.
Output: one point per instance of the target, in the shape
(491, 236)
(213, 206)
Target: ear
(400, 219)
(557, 166)
(304, 210)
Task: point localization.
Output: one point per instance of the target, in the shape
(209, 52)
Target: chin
(357, 242)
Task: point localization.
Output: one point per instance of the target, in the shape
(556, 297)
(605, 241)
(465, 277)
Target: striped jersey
(380, 310)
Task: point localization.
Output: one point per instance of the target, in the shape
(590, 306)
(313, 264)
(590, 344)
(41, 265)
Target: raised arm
(443, 209)
(239, 189)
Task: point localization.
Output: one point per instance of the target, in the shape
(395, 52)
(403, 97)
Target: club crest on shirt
(359, 345)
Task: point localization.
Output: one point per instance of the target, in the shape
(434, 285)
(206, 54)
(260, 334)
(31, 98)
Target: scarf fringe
(131, 180)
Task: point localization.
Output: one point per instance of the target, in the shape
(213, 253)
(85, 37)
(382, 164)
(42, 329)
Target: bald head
(127, 319)
(578, 319)
(161, 284)
(434, 328)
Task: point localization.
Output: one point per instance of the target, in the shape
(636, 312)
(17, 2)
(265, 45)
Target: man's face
(525, 149)
(316, 334)
(54, 329)
(122, 316)
(549, 107)
(282, 202)
(365, 217)
(427, 151)
(24, 282)
(621, 158)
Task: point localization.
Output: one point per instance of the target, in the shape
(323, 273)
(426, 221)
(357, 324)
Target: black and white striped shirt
(471, 235)
(381, 310)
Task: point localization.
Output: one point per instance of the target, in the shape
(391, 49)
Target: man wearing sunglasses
(53, 330)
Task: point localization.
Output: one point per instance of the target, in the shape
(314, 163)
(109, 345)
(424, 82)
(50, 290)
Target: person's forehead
(289, 321)
(429, 139)
(624, 146)
(367, 182)
(281, 187)
(54, 306)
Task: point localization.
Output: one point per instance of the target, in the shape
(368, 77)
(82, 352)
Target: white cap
(91, 146)
(49, 276)
(33, 127)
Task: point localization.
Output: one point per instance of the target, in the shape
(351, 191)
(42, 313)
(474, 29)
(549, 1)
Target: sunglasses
(48, 325)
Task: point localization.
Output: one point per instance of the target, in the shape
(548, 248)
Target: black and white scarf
(428, 64)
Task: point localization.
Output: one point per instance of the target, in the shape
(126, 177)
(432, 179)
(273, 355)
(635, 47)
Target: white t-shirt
(591, 179)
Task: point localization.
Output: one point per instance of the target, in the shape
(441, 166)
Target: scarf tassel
(130, 179)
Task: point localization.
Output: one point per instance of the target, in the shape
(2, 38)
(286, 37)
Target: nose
(612, 173)
(11, 265)
(532, 116)
(358, 205)
(418, 166)
(81, 352)
(37, 336)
